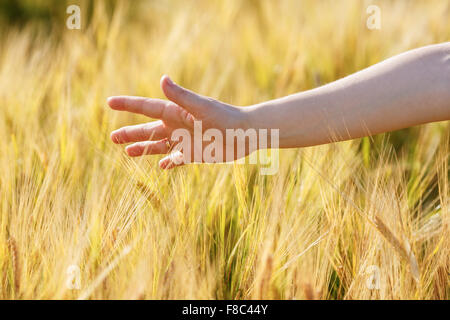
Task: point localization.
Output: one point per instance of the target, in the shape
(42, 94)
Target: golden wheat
(78, 207)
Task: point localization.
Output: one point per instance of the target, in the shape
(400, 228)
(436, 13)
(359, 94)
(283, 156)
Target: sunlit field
(79, 219)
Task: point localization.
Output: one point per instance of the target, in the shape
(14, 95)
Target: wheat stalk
(12, 246)
(402, 248)
(266, 276)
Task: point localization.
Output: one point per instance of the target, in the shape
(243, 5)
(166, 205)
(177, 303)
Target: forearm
(406, 90)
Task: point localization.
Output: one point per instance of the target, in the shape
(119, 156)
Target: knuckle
(169, 104)
(143, 132)
(182, 92)
(186, 118)
(146, 101)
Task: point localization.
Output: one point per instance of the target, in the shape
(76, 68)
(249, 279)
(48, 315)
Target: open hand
(180, 111)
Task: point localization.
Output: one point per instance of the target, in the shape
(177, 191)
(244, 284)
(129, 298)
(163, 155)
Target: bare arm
(406, 90)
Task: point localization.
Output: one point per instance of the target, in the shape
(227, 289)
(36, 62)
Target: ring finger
(149, 147)
(141, 132)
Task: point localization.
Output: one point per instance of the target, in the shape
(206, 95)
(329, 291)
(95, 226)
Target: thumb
(190, 101)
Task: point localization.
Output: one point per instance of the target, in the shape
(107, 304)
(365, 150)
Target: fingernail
(163, 163)
(114, 137)
(130, 151)
(169, 81)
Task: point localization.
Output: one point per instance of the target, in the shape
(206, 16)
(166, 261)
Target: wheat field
(362, 219)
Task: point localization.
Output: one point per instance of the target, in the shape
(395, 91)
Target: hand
(183, 108)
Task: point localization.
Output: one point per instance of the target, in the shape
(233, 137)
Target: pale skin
(409, 89)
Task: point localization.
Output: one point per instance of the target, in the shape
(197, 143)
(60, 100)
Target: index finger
(153, 108)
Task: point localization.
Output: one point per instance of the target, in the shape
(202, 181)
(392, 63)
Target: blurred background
(69, 197)
(280, 48)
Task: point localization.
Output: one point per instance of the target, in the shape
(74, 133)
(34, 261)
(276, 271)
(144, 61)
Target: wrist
(260, 118)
